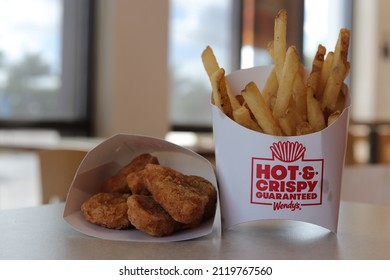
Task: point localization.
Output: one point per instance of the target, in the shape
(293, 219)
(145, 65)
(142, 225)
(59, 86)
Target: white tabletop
(41, 233)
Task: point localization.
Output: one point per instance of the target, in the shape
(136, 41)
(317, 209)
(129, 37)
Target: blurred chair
(58, 167)
(384, 144)
(358, 145)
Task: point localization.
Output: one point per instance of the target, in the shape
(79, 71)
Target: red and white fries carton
(262, 176)
(111, 155)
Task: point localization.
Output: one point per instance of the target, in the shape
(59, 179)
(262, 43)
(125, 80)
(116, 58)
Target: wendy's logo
(286, 180)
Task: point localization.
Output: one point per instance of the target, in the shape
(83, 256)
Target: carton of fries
(262, 176)
(280, 133)
(110, 156)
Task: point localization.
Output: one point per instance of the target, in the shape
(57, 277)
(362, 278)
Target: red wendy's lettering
(286, 196)
(278, 172)
(292, 206)
(285, 186)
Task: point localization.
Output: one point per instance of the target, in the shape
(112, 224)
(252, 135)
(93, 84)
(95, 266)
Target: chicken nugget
(107, 209)
(204, 187)
(136, 184)
(147, 215)
(171, 190)
(118, 183)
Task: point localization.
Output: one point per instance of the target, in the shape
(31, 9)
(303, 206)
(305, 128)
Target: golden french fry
(342, 45)
(243, 116)
(340, 68)
(215, 81)
(315, 116)
(219, 92)
(270, 89)
(290, 69)
(304, 128)
(280, 42)
(340, 104)
(290, 120)
(325, 70)
(333, 87)
(210, 63)
(234, 103)
(288, 123)
(270, 48)
(333, 117)
(299, 92)
(314, 78)
(260, 110)
(211, 66)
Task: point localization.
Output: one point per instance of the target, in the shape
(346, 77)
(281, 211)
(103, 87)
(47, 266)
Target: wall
(371, 61)
(131, 71)
(364, 60)
(383, 56)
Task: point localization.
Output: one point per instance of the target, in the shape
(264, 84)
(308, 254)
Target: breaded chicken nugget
(136, 184)
(148, 216)
(171, 190)
(118, 183)
(204, 187)
(107, 209)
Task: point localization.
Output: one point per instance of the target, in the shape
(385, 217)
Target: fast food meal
(118, 182)
(157, 199)
(148, 216)
(107, 209)
(169, 188)
(288, 104)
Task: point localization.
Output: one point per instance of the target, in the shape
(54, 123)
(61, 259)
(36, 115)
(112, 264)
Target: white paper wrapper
(111, 155)
(268, 177)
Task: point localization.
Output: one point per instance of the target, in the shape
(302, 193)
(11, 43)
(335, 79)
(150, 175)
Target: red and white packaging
(262, 176)
(111, 155)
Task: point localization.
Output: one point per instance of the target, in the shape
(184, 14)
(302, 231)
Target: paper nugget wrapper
(277, 177)
(107, 158)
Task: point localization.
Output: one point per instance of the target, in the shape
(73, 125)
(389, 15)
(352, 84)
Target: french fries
(290, 69)
(221, 94)
(315, 115)
(209, 61)
(338, 72)
(280, 42)
(270, 89)
(242, 115)
(288, 104)
(260, 110)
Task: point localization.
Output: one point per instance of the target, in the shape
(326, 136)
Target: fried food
(107, 209)
(172, 191)
(159, 200)
(148, 216)
(203, 186)
(136, 184)
(299, 105)
(118, 182)
(260, 110)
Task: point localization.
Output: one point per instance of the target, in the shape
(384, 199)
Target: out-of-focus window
(323, 20)
(43, 62)
(258, 28)
(239, 32)
(194, 24)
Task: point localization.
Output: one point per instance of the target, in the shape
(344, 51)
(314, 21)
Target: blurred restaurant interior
(85, 70)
